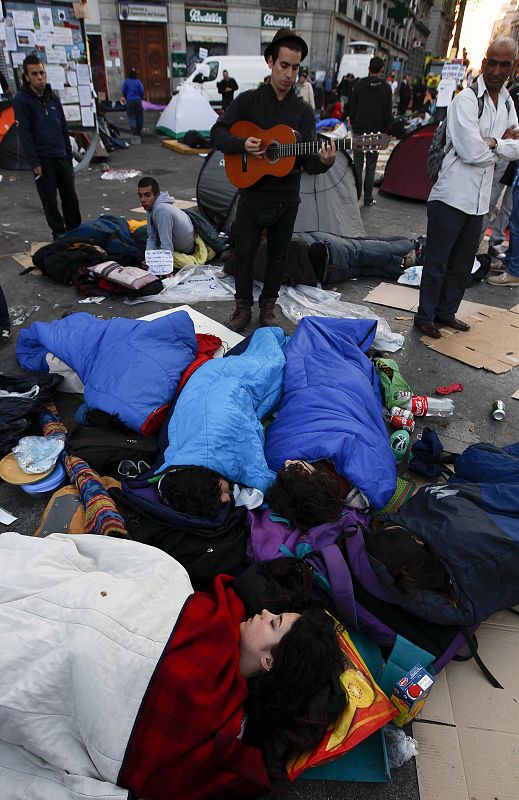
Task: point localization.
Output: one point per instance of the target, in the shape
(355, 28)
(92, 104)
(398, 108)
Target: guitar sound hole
(271, 153)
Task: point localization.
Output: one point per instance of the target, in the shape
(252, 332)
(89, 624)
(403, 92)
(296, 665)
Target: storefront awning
(206, 33)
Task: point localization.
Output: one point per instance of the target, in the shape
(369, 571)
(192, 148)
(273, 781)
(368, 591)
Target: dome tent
(328, 201)
(186, 111)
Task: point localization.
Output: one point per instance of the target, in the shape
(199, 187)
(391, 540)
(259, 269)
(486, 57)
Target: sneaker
(503, 279)
(497, 266)
(497, 251)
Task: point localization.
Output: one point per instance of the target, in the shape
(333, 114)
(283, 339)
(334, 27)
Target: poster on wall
(54, 33)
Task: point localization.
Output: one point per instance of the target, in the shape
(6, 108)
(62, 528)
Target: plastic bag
(192, 285)
(36, 454)
(308, 301)
(400, 748)
(411, 276)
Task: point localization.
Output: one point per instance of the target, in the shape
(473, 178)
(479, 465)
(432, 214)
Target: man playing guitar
(273, 201)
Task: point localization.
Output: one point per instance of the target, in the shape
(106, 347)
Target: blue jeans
(512, 255)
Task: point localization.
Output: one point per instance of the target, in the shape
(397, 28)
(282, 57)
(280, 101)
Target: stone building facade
(160, 39)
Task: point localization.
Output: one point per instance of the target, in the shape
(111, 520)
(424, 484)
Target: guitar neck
(310, 148)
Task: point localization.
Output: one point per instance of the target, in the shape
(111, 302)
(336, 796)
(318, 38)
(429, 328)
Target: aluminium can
(498, 410)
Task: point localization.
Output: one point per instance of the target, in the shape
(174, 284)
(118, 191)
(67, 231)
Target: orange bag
(367, 709)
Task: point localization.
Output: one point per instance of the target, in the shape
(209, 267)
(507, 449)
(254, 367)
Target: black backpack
(103, 449)
(437, 151)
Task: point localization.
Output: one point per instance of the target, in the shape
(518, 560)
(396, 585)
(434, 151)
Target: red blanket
(184, 743)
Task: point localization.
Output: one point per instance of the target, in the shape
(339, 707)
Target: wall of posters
(53, 32)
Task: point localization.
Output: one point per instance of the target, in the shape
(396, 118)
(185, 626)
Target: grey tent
(328, 202)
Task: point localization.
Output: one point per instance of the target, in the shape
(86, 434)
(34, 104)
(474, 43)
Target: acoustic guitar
(279, 149)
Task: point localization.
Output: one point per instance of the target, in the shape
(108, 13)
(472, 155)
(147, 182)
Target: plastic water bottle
(423, 406)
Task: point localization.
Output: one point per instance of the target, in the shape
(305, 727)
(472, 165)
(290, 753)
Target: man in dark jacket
(45, 139)
(370, 112)
(272, 202)
(227, 86)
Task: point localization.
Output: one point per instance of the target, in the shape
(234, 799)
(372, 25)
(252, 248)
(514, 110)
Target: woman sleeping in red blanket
(127, 684)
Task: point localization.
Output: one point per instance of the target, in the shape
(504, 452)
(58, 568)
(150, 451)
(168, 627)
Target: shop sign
(178, 65)
(205, 16)
(269, 20)
(143, 12)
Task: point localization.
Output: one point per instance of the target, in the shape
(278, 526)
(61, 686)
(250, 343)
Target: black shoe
(429, 328)
(368, 203)
(455, 323)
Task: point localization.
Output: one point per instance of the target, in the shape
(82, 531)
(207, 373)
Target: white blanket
(83, 622)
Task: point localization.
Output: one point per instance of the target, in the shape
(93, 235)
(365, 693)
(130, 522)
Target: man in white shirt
(481, 126)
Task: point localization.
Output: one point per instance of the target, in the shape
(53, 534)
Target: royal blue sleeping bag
(332, 406)
(130, 368)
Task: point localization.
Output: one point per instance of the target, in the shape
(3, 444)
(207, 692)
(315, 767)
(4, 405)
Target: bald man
(481, 127)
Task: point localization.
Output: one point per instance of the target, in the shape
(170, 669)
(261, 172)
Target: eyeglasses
(130, 469)
(492, 62)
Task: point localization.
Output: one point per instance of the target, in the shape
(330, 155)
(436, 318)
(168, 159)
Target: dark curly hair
(307, 662)
(192, 490)
(306, 499)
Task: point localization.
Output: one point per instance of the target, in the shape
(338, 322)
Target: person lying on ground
(169, 228)
(198, 491)
(311, 494)
(125, 680)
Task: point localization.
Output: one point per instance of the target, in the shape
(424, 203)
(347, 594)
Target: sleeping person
(116, 676)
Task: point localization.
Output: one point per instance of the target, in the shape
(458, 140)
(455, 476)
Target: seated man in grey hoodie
(169, 228)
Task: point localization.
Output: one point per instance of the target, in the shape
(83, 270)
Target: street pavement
(22, 223)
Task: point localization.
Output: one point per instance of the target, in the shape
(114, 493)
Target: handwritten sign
(159, 262)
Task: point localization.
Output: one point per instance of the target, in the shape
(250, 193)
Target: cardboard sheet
(25, 259)
(491, 344)
(468, 732)
(179, 147)
(406, 297)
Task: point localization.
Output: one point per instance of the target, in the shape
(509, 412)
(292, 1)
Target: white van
(356, 59)
(247, 71)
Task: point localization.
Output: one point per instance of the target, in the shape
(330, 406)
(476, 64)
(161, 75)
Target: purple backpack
(342, 568)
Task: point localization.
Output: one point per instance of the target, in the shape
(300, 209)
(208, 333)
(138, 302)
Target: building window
(280, 5)
(369, 20)
(343, 7)
(375, 26)
(357, 14)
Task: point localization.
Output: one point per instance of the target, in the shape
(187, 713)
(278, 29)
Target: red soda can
(402, 423)
(419, 405)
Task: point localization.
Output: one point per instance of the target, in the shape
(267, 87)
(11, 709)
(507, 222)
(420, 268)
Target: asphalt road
(22, 222)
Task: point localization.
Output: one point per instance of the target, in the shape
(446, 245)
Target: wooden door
(145, 49)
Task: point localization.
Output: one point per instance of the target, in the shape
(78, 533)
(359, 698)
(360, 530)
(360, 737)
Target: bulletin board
(52, 31)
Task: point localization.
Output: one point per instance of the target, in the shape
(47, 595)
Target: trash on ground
(18, 314)
(120, 174)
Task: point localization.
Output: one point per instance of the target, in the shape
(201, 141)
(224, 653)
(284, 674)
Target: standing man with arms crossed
(370, 112)
(481, 126)
(45, 140)
(272, 202)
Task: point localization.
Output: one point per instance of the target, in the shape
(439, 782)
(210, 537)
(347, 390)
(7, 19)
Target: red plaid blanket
(185, 740)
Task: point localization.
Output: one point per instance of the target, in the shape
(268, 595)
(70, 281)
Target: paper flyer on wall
(68, 95)
(72, 113)
(23, 20)
(45, 18)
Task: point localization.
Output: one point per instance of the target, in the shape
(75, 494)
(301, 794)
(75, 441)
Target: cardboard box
(410, 694)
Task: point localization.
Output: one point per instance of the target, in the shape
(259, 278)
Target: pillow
(367, 710)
